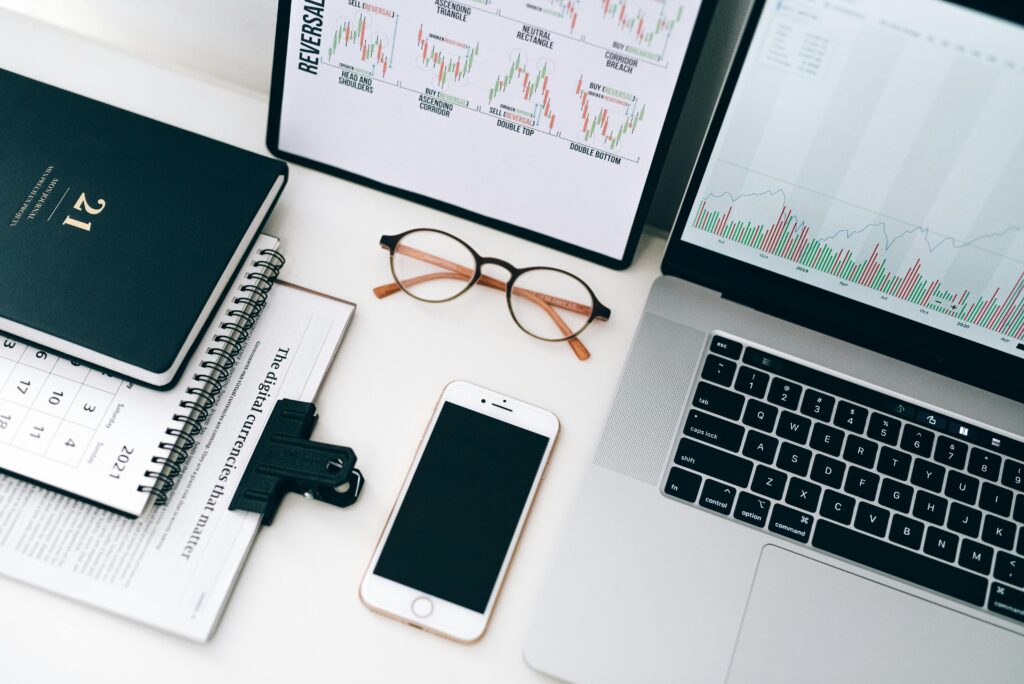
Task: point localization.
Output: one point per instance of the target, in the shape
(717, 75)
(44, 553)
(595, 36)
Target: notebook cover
(115, 228)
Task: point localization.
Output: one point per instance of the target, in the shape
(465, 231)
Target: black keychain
(286, 460)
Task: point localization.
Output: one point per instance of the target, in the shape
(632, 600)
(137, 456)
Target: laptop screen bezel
(867, 326)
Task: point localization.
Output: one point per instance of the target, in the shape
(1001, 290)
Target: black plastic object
(286, 460)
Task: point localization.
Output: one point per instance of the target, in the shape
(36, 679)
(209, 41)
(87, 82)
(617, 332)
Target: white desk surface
(295, 614)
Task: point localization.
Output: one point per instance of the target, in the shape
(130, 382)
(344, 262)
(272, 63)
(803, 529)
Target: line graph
(898, 263)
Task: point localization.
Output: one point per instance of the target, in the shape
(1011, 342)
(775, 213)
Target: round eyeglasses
(547, 303)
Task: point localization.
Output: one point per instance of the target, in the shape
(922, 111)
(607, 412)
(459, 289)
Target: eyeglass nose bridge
(501, 263)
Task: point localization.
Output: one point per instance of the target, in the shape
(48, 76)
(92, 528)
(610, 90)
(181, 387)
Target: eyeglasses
(546, 303)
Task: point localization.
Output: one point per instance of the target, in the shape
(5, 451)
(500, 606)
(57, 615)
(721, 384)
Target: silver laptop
(813, 468)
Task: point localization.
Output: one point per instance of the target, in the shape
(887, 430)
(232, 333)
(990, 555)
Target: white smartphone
(441, 560)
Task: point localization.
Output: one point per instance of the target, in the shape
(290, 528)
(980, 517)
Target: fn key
(682, 485)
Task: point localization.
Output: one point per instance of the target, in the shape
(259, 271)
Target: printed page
(174, 567)
(87, 433)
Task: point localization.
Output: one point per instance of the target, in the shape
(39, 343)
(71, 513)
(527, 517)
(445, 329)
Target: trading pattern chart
(879, 154)
(578, 88)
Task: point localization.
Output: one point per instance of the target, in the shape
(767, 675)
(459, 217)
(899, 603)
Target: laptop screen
(875, 149)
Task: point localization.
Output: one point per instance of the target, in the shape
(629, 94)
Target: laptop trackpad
(807, 621)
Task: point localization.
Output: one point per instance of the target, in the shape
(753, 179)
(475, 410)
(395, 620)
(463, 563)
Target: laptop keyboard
(856, 473)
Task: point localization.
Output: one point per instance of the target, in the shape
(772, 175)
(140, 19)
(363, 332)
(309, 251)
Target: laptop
(813, 468)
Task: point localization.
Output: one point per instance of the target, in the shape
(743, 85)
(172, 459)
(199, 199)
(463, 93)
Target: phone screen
(455, 525)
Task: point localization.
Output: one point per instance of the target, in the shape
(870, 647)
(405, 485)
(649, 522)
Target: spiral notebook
(174, 568)
(109, 441)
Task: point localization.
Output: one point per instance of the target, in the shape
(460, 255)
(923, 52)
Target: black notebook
(118, 234)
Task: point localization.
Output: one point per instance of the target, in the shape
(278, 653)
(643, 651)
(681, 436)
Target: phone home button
(422, 607)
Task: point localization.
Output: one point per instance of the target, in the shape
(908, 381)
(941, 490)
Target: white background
(295, 614)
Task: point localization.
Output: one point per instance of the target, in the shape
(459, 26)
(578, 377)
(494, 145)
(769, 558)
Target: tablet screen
(539, 115)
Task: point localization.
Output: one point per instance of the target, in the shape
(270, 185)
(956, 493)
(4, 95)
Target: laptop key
(895, 495)
(719, 370)
(838, 507)
(793, 427)
(984, 464)
(851, 417)
(862, 483)
(804, 495)
(752, 509)
(966, 521)
(769, 482)
(895, 560)
(1009, 568)
(828, 471)
(917, 440)
(894, 463)
(941, 544)
(1013, 475)
(707, 428)
(930, 508)
(790, 523)
(785, 393)
(726, 347)
(860, 451)
(682, 484)
(794, 459)
(717, 400)
(995, 499)
(1006, 601)
(717, 497)
(752, 382)
(884, 429)
(817, 405)
(1018, 510)
(962, 487)
(950, 452)
(760, 415)
(906, 532)
(998, 532)
(828, 439)
(760, 447)
(927, 475)
(975, 556)
(713, 463)
(871, 519)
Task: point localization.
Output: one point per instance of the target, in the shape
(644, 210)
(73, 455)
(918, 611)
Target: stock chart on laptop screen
(875, 149)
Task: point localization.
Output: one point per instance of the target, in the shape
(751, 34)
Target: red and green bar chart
(1001, 309)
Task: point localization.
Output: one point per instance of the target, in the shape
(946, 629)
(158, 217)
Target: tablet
(545, 118)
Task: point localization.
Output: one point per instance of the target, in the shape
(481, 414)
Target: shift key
(714, 463)
(716, 431)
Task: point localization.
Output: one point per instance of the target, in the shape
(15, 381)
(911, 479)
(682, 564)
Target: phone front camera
(483, 401)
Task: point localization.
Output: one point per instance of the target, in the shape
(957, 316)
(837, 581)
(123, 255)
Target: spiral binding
(215, 372)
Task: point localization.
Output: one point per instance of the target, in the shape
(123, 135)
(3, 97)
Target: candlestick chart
(643, 23)
(607, 114)
(525, 87)
(355, 40)
(450, 59)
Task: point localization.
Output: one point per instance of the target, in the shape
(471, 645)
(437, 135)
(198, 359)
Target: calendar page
(90, 434)
(77, 429)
